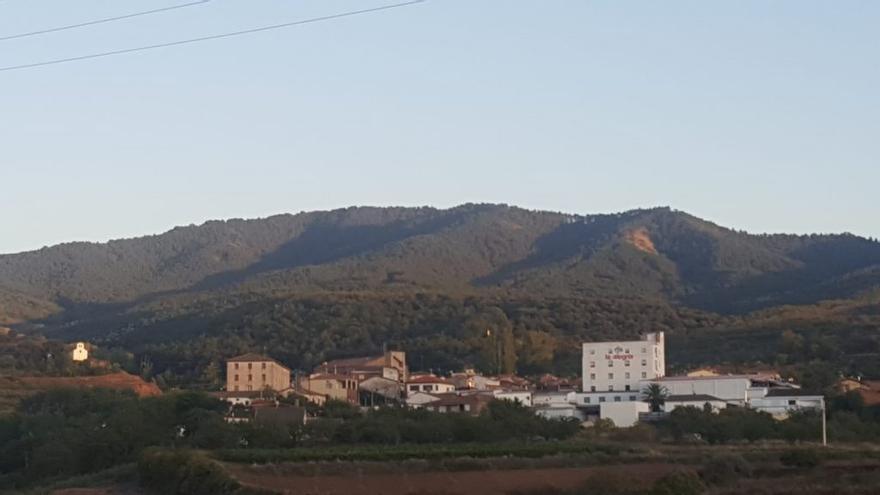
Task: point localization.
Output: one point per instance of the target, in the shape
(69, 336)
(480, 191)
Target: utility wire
(102, 21)
(212, 37)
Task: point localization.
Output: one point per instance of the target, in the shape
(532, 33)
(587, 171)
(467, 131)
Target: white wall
(780, 407)
(597, 398)
(623, 414)
(553, 398)
(728, 389)
(717, 405)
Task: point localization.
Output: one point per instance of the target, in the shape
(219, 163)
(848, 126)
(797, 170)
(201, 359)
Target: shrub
(184, 472)
(803, 458)
(679, 483)
(725, 469)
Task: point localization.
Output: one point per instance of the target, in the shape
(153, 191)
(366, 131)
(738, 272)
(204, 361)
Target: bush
(184, 472)
(803, 458)
(679, 483)
(722, 470)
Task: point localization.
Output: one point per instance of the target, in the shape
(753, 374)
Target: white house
(430, 384)
(80, 353)
(620, 366)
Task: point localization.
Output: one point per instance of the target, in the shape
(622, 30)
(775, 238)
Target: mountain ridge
(652, 253)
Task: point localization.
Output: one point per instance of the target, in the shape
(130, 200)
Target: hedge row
(402, 452)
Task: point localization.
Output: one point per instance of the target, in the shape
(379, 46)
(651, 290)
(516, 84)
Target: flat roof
(791, 392)
(692, 398)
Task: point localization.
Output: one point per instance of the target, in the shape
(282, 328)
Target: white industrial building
(615, 375)
(621, 366)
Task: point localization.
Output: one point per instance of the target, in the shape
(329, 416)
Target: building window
(250, 378)
(236, 388)
(586, 400)
(250, 365)
(236, 377)
(632, 398)
(626, 375)
(626, 363)
(626, 388)
(644, 362)
(610, 364)
(644, 350)
(626, 351)
(264, 365)
(592, 376)
(644, 375)
(592, 352)
(592, 388)
(611, 388)
(413, 388)
(601, 399)
(616, 398)
(236, 365)
(264, 378)
(611, 376)
(592, 364)
(792, 402)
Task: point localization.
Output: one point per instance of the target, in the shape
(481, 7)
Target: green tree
(656, 395)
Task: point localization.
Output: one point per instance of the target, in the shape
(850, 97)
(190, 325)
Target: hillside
(656, 254)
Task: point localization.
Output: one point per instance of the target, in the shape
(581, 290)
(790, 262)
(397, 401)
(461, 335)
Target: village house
(332, 386)
(390, 365)
(472, 404)
(377, 390)
(254, 373)
(429, 384)
(80, 352)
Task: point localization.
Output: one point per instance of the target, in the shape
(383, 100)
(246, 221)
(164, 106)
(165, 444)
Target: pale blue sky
(759, 115)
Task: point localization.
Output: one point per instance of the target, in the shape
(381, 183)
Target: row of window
(626, 388)
(250, 378)
(251, 365)
(611, 363)
(626, 375)
(617, 398)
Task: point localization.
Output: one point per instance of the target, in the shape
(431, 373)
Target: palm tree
(656, 395)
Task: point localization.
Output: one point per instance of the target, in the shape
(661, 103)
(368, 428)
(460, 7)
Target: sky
(760, 116)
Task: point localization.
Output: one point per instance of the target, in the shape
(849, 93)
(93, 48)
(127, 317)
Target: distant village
(623, 382)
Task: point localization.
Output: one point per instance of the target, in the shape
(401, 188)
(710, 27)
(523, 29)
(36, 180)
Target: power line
(102, 21)
(212, 37)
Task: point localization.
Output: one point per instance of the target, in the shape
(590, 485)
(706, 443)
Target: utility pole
(824, 425)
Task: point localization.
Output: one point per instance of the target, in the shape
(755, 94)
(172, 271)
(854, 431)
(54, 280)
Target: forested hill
(654, 254)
